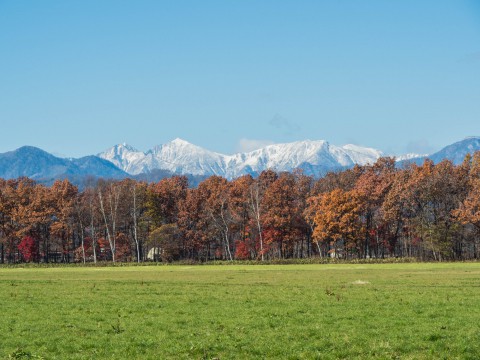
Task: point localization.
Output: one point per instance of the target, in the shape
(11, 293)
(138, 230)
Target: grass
(364, 311)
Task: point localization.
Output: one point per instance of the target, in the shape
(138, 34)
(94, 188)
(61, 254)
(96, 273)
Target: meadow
(339, 311)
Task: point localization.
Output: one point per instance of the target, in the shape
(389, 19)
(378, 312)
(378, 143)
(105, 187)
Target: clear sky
(77, 77)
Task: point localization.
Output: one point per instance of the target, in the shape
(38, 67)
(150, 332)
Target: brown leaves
(336, 216)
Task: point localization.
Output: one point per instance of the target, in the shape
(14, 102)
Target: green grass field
(405, 311)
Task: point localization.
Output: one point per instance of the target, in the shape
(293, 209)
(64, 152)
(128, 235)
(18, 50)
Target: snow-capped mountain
(314, 157)
(126, 157)
(181, 157)
(410, 156)
(177, 156)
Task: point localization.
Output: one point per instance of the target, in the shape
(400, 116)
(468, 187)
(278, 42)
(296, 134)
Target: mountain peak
(27, 148)
(178, 141)
(126, 146)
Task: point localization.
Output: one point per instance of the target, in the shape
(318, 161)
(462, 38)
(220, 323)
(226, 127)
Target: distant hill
(39, 165)
(455, 152)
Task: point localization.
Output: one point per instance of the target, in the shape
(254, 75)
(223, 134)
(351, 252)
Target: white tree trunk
(92, 231)
(113, 206)
(135, 234)
(255, 205)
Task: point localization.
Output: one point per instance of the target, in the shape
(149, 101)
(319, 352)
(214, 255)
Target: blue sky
(77, 77)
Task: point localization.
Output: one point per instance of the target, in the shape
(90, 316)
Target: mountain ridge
(179, 157)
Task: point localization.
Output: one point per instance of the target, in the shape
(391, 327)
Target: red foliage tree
(28, 247)
(242, 251)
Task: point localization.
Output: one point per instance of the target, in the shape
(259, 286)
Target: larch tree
(64, 197)
(337, 220)
(468, 213)
(371, 187)
(239, 205)
(194, 225)
(282, 215)
(215, 192)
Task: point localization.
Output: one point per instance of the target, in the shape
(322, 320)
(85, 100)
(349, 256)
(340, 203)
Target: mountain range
(181, 157)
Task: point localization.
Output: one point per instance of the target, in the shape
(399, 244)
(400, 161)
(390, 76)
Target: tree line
(429, 212)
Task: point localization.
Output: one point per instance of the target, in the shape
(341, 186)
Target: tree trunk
(82, 237)
(135, 235)
(255, 204)
(113, 205)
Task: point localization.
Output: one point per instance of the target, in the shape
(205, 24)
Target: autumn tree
(163, 207)
(428, 211)
(344, 180)
(166, 239)
(398, 212)
(303, 190)
(242, 224)
(64, 195)
(28, 247)
(337, 220)
(7, 226)
(257, 191)
(371, 188)
(163, 199)
(283, 215)
(468, 212)
(433, 193)
(34, 212)
(214, 192)
(194, 225)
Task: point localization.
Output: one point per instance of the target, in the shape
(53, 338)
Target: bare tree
(109, 202)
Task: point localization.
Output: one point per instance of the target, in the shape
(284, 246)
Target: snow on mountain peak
(182, 157)
(362, 155)
(124, 146)
(409, 156)
(178, 141)
(364, 150)
(122, 156)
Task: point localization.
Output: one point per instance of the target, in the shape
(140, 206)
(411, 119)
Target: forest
(430, 212)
